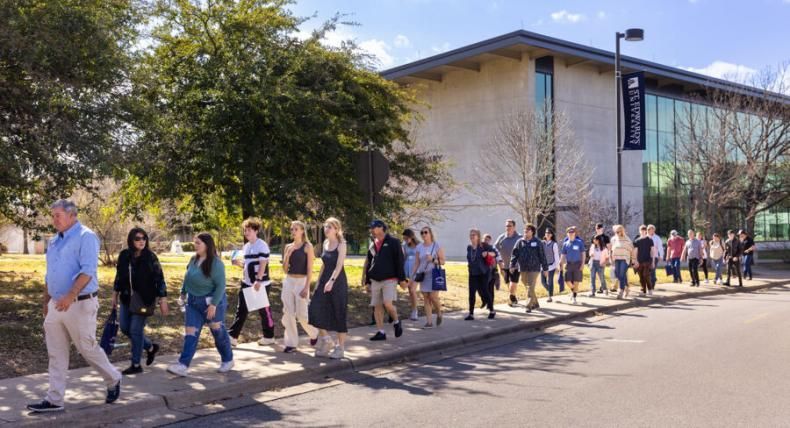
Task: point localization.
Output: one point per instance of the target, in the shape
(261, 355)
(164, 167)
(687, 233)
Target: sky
(721, 38)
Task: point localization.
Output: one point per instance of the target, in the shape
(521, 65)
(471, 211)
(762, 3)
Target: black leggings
(267, 321)
(479, 284)
(704, 265)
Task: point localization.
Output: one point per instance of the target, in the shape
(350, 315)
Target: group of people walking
(415, 264)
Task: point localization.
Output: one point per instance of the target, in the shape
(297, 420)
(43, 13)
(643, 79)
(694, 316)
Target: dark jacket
(528, 255)
(476, 261)
(733, 248)
(386, 263)
(147, 277)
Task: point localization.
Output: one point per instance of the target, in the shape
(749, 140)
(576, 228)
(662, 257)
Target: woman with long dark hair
(138, 272)
(206, 303)
(552, 252)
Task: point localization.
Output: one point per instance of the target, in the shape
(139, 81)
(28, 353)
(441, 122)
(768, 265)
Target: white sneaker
(706, 282)
(322, 347)
(266, 341)
(649, 292)
(619, 295)
(234, 342)
(225, 367)
(718, 282)
(178, 369)
(337, 353)
(574, 300)
(413, 315)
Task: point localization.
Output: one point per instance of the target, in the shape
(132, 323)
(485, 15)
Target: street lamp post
(631, 35)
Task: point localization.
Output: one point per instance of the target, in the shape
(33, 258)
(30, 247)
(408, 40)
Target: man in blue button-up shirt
(70, 306)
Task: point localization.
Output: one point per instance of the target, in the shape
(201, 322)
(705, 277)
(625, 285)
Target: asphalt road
(718, 361)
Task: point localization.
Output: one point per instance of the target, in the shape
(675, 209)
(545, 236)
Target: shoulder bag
(137, 305)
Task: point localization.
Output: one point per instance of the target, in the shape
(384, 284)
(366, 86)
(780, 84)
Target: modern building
(468, 90)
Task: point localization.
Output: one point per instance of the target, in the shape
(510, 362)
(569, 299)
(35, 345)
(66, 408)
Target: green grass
(22, 348)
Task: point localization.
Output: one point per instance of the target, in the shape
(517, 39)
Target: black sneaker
(44, 407)
(469, 317)
(379, 336)
(133, 369)
(113, 393)
(391, 320)
(513, 301)
(150, 354)
(491, 315)
(289, 349)
(398, 329)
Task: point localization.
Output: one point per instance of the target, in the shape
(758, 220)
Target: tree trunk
(247, 209)
(25, 249)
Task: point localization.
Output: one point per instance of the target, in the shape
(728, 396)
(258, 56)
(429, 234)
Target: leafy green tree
(64, 68)
(235, 105)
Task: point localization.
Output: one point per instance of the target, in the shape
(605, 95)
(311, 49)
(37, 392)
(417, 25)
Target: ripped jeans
(195, 318)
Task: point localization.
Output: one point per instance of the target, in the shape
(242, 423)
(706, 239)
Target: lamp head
(634, 34)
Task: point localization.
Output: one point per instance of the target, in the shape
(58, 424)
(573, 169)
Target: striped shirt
(252, 253)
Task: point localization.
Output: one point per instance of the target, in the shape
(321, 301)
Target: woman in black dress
(328, 306)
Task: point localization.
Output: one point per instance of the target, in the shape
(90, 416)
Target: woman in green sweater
(206, 303)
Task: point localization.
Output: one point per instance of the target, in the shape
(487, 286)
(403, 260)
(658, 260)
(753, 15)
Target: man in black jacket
(383, 272)
(732, 253)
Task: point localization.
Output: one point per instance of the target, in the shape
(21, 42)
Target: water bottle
(181, 304)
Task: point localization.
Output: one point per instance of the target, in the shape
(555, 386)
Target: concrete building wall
(464, 110)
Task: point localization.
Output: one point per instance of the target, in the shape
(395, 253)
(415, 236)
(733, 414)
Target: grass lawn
(22, 348)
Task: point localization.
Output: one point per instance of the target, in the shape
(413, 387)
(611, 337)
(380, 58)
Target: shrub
(188, 246)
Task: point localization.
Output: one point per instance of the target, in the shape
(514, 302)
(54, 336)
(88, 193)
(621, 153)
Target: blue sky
(708, 36)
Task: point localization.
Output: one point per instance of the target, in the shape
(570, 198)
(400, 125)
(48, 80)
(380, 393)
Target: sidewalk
(263, 368)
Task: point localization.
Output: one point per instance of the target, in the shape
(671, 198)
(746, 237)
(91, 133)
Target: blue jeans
(195, 318)
(599, 270)
(747, 265)
(133, 327)
(675, 263)
(548, 282)
(621, 272)
(718, 265)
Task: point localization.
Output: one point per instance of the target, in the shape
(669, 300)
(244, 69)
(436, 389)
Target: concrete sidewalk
(263, 368)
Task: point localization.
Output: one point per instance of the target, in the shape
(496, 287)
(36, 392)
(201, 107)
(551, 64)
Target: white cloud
(439, 49)
(565, 16)
(401, 41)
(380, 50)
(724, 70)
(601, 14)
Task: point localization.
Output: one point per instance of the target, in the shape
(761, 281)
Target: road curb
(179, 400)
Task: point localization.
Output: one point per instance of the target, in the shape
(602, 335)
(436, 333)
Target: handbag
(137, 305)
(668, 269)
(439, 279)
(109, 333)
(420, 276)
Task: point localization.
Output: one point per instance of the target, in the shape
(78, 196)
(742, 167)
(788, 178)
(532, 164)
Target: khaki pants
(295, 308)
(76, 325)
(530, 280)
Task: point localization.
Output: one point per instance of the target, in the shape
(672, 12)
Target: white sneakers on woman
(225, 367)
(323, 347)
(178, 369)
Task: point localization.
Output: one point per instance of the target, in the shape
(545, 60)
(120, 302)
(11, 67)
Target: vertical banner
(634, 111)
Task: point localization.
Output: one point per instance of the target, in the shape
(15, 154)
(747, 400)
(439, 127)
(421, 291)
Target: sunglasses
(424, 232)
(140, 238)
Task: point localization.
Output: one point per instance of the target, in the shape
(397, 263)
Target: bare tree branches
(532, 164)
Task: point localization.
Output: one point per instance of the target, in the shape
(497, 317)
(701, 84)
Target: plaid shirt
(528, 255)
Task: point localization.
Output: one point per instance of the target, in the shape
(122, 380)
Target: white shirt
(252, 253)
(659, 246)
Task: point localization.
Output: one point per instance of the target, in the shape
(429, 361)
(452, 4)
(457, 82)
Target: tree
(705, 164)
(235, 105)
(734, 153)
(520, 162)
(100, 208)
(64, 68)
